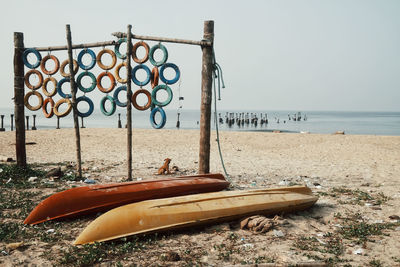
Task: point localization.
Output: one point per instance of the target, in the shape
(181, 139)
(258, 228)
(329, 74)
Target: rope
(217, 74)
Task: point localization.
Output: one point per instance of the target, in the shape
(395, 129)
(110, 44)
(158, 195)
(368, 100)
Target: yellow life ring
(117, 69)
(44, 107)
(113, 56)
(27, 82)
(58, 104)
(26, 100)
(43, 65)
(44, 87)
(65, 63)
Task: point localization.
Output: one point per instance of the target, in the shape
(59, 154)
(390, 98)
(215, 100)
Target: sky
(300, 55)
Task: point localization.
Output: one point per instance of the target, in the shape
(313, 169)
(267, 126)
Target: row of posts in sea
(242, 119)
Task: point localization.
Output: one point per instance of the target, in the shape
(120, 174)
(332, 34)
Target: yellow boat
(176, 212)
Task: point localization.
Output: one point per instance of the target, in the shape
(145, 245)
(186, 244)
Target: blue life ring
(177, 73)
(87, 100)
(91, 64)
(135, 80)
(151, 55)
(154, 95)
(79, 82)
(25, 58)
(59, 88)
(153, 120)
(103, 105)
(116, 48)
(115, 96)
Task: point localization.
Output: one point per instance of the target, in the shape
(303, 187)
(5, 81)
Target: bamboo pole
(74, 107)
(19, 110)
(128, 98)
(206, 98)
(164, 39)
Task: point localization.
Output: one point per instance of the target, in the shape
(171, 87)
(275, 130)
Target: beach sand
(336, 167)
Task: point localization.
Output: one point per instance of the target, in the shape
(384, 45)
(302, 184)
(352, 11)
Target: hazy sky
(281, 54)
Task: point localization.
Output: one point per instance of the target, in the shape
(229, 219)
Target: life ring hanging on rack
(135, 80)
(116, 73)
(44, 107)
(80, 85)
(177, 73)
(134, 102)
(100, 78)
(155, 76)
(28, 83)
(25, 58)
(26, 100)
(44, 87)
(151, 55)
(116, 94)
(117, 46)
(90, 103)
(56, 65)
(103, 105)
(64, 64)
(91, 54)
(154, 95)
(59, 103)
(59, 88)
(134, 50)
(100, 63)
(153, 118)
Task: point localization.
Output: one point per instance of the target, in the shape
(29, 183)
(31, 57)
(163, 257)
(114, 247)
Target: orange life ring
(154, 78)
(44, 107)
(111, 53)
(134, 102)
(65, 63)
(27, 82)
(43, 65)
(26, 100)
(117, 69)
(135, 47)
(112, 79)
(44, 87)
(58, 104)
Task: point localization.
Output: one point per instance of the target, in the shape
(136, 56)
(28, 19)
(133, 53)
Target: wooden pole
(128, 98)
(77, 46)
(74, 108)
(19, 110)
(206, 98)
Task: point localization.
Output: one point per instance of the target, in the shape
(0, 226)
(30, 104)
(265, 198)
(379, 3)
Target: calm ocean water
(370, 123)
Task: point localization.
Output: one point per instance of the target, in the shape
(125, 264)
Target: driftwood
(129, 100)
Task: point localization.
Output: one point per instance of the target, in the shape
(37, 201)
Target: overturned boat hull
(99, 198)
(170, 213)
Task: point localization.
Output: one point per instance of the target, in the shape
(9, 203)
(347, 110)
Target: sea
(324, 122)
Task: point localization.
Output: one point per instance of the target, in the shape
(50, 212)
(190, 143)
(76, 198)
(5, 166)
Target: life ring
(44, 86)
(58, 104)
(134, 49)
(134, 102)
(103, 105)
(59, 88)
(177, 73)
(135, 80)
(64, 64)
(112, 79)
(115, 96)
(79, 82)
(26, 100)
(27, 82)
(91, 54)
(112, 54)
(91, 106)
(116, 48)
(117, 69)
(154, 95)
(56, 65)
(151, 55)
(44, 107)
(25, 58)
(155, 76)
(153, 119)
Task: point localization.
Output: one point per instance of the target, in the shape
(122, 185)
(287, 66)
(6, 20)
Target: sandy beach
(335, 167)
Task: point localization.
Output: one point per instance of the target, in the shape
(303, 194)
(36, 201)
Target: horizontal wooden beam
(164, 39)
(77, 46)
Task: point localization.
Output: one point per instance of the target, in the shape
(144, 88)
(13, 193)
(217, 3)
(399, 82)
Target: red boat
(99, 198)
